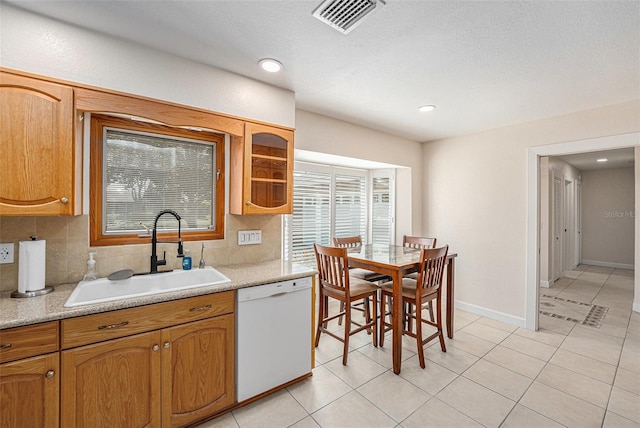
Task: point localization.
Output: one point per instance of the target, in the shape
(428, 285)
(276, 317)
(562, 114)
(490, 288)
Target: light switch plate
(6, 253)
(249, 237)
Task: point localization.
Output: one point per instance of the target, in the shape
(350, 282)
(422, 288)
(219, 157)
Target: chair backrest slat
(432, 262)
(347, 242)
(418, 242)
(332, 263)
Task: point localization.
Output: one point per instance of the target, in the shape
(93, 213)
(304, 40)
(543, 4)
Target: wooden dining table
(396, 261)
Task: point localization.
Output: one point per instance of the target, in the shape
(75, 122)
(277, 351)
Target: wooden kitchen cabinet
(111, 384)
(262, 171)
(181, 370)
(40, 156)
(198, 370)
(29, 381)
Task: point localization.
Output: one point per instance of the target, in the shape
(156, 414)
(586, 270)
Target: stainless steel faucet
(154, 241)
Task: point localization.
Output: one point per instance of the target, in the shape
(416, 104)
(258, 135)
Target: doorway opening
(535, 214)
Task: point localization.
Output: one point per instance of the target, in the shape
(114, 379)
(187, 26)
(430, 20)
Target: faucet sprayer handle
(180, 249)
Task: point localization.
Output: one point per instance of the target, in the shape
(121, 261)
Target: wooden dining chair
(418, 242)
(427, 288)
(335, 282)
(355, 242)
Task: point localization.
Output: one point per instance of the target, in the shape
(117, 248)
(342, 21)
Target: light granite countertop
(20, 312)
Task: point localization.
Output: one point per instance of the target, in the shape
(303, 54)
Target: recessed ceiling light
(426, 108)
(602, 160)
(270, 65)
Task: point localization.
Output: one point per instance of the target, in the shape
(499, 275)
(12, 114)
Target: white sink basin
(103, 290)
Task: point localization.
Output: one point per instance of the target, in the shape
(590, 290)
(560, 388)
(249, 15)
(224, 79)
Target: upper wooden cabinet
(40, 156)
(262, 171)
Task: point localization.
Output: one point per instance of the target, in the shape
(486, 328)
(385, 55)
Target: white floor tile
(477, 402)
(562, 407)
(352, 411)
(405, 399)
(436, 414)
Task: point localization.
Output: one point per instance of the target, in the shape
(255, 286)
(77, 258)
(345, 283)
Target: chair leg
(431, 311)
(383, 315)
(374, 328)
(321, 309)
(408, 321)
(347, 327)
(440, 329)
(419, 337)
(341, 309)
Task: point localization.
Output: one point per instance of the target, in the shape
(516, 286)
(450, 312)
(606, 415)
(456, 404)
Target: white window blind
(381, 211)
(311, 219)
(350, 206)
(146, 173)
(327, 202)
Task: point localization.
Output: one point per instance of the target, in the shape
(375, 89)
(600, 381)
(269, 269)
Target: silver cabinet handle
(201, 308)
(111, 326)
(5, 346)
(49, 374)
(155, 347)
(64, 199)
(166, 345)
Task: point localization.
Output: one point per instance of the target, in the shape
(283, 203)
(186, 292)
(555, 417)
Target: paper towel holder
(46, 290)
(18, 295)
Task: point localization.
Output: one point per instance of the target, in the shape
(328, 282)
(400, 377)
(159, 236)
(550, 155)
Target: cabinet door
(268, 170)
(38, 156)
(30, 392)
(198, 370)
(112, 384)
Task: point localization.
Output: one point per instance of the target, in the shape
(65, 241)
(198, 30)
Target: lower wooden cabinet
(198, 370)
(171, 377)
(29, 392)
(112, 384)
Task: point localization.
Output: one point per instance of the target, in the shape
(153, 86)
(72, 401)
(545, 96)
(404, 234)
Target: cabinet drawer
(110, 325)
(27, 341)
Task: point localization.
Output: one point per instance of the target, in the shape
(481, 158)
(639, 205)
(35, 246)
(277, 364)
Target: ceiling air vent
(345, 15)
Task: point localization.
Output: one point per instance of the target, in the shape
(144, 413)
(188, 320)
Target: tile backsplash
(67, 242)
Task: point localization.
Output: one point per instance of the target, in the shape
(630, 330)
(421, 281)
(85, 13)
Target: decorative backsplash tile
(68, 247)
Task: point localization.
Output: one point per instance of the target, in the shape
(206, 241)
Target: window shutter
(381, 211)
(311, 219)
(350, 206)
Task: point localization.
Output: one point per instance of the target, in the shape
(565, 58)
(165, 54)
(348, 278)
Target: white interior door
(568, 241)
(556, 246)
(578, 258)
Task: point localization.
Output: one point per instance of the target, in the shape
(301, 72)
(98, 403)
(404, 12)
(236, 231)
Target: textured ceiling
(484, 64)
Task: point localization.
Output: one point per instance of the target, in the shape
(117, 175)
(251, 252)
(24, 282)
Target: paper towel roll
(31, 268)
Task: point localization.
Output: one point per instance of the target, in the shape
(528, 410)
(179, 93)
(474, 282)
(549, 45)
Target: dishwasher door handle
(280, 294)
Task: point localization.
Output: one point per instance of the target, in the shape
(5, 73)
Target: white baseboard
(545, 284)
(489, 313)
(608, 264)
(636, 307)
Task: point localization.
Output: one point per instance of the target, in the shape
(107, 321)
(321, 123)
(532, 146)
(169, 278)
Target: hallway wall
(475, 199)
(608, 200)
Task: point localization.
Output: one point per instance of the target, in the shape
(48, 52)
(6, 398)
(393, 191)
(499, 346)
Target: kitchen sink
(104, 290)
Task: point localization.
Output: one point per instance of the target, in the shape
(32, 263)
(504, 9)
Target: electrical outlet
(6, 253)
(249, 237)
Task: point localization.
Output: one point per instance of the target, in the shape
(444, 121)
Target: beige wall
(475, 190)
(323, 134)
(608, 207)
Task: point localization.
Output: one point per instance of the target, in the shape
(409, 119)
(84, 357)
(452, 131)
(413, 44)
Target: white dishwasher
(273, 335)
